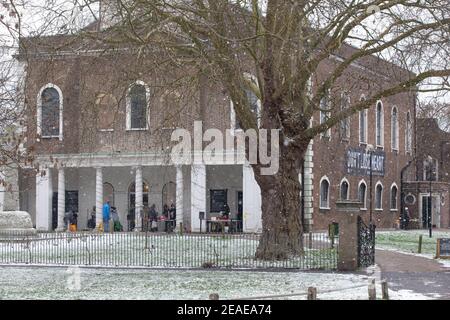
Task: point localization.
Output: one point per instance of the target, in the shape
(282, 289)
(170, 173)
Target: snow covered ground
(408, 242)
(102, 284)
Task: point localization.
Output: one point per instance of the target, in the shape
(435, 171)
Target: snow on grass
(159, 250)
(408, 242)
(105, 284)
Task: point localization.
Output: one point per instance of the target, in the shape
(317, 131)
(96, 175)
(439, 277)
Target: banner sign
(358, 162)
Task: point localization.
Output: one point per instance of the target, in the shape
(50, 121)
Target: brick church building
(99, 126)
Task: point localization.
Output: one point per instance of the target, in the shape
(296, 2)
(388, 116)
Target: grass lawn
(408, 241)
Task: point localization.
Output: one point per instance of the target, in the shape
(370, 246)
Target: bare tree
(285, 45)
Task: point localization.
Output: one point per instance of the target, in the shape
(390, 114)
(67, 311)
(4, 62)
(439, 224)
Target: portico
(131, 182)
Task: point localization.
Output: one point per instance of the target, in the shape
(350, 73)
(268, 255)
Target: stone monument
(16, 223)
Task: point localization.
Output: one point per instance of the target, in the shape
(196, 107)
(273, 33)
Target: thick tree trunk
(282, 235)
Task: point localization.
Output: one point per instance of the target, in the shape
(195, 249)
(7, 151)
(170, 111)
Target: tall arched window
(50, 112)
(344, 194)
(379, 125)
(394, 196)
(363, 126)
(345, 124)
(430, 169)
(324, 193)
(137, 106)
(253, 101)
(408, 138)
(362, 194)
(379, 196)
(108, 193)
(394, 129)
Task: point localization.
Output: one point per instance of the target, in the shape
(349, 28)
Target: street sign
(443, 249)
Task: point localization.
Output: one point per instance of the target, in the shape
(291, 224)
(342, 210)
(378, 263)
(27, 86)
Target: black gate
(366, 244)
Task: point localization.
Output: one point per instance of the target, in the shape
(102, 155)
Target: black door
(71, 204)
(240, 210)
(426, 211)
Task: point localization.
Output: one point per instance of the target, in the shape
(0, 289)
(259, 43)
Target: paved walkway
(408, 272)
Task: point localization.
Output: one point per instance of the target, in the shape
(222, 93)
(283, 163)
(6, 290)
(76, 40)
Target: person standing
(153, 215)
(173, 216)
(106, 216)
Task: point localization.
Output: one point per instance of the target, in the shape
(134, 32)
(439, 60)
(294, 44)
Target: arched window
(108, 193)
(50, 112)
(344, 189)
(345, 124)
(137, 106)
(324, 193)
(394, 196)
(168, 194)
(362, 194)
(408, 138)
(379, 196)
(325, 105)
(379, 125)
(253, 101)
(363, 127)
(394, 129)
(430, 169)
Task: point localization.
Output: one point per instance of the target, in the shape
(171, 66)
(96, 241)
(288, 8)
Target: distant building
(430, 171)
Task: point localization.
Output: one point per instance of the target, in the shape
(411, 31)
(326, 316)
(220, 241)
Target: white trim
(128, 107)
(381, 145)
(395, 145)
(390, 198)
(324, 178)
(379, 183)
(61, 111)
(365, 194)
(348, 188)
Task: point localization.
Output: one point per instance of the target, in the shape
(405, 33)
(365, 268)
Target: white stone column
(98, 197)
(251, 201)
(139, 199)
(198, 195)
(179, 196)
(61, 199)
(44, 194)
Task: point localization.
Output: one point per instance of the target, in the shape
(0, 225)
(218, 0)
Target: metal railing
(159, 250)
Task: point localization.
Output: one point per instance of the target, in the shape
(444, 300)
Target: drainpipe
(303, 198)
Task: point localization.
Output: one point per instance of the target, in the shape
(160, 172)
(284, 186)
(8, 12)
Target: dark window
(394, 129)
(430, 170)
(50, 112)
(344, 190)
(324, 194)
(138, 107)
(379, 197)
(379, 133)
(362, 194)
(394, 198)
(218, 199)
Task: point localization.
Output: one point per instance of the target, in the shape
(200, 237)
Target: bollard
(372, 290)
(384, 290)
(312, 293)
(214, 296)
(420, 244)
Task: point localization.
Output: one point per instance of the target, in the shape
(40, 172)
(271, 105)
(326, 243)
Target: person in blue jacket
(106, 216)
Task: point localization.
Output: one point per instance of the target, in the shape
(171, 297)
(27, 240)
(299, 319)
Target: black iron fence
(159, 250)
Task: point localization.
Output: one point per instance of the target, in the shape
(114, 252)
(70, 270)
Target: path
(409, 272)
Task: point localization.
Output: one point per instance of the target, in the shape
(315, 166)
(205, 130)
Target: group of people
(111, 220)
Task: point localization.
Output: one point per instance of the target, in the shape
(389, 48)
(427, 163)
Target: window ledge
(49, 137)
(363, 209)
(137, 129)
(324, 209)
(380, 147)
(394, 210)
(106, 130)
(379, 210)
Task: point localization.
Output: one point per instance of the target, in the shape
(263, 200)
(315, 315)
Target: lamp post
(430, 203)
(370, 148)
